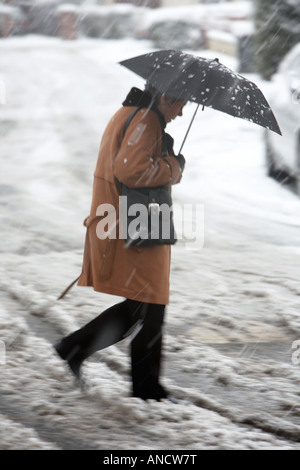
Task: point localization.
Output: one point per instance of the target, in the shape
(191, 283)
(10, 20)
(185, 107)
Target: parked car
(283, 152)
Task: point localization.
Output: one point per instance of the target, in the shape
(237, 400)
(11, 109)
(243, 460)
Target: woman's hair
(156, 94)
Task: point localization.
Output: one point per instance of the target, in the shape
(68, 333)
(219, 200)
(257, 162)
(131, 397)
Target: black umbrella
(206, 82)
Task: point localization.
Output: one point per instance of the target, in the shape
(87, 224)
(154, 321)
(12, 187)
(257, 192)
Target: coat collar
(142, 99)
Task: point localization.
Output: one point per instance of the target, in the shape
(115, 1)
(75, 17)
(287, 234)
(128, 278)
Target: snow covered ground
(233, 316)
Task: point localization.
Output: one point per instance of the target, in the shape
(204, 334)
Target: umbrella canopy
(204, 81)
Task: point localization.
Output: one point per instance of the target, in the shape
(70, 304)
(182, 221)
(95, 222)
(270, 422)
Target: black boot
(74, 358)
(154, 392)
(146, 348)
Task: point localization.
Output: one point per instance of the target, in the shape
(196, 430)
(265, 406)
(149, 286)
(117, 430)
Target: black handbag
(146, 213)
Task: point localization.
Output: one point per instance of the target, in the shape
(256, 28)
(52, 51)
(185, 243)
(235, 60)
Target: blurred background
(258, 32)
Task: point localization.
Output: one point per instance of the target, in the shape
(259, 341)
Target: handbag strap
(128, 121)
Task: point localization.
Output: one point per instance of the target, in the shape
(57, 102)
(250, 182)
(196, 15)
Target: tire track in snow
(41, 317)
(37, 414)
(49, 320)
(13, 408)
(279, 428)
(250, 399)
(51, 435)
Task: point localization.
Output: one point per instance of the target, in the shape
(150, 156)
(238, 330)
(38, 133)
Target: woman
(139, 274)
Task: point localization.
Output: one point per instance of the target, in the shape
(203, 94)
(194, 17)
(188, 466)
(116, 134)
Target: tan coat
(139, 273)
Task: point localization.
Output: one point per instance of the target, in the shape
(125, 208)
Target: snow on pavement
(233, 315)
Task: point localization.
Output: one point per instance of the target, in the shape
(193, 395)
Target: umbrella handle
(188, 130)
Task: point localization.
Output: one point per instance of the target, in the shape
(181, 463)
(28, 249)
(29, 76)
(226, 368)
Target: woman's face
(170, 110)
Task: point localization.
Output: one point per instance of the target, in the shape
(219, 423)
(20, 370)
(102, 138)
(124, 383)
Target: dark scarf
(143, 99)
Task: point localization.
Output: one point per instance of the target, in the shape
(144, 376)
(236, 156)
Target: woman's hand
(181, 160)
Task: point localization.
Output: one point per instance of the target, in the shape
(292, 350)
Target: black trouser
(144, 321)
